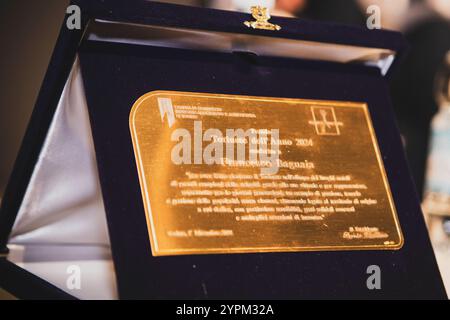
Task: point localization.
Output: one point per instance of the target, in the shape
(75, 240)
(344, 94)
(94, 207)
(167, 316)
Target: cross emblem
(325, 121)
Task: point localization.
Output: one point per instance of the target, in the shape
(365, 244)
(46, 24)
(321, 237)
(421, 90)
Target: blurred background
(28, 30)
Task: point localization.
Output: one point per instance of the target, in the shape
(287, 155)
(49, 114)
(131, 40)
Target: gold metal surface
(262, 18)
(328, 190)
(5, 295)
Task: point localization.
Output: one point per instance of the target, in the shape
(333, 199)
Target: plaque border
(156, 252)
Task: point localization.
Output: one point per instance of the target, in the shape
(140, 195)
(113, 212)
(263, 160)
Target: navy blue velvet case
(116, 75)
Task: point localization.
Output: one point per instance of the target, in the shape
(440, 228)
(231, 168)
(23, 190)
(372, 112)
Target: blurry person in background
(288, 8)
(436, 204)
(427, 30)
(341, 11)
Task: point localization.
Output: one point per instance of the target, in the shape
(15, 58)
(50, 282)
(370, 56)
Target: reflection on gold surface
(234, 174)
(4, 295)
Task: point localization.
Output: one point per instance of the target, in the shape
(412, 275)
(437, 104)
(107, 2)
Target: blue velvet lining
(116, 75)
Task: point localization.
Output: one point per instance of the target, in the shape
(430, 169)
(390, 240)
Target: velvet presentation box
(62, 193)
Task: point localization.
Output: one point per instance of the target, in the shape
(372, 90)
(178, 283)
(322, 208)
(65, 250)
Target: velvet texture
(116, 75)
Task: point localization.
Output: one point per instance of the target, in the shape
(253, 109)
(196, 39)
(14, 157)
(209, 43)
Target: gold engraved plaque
(236, 174)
